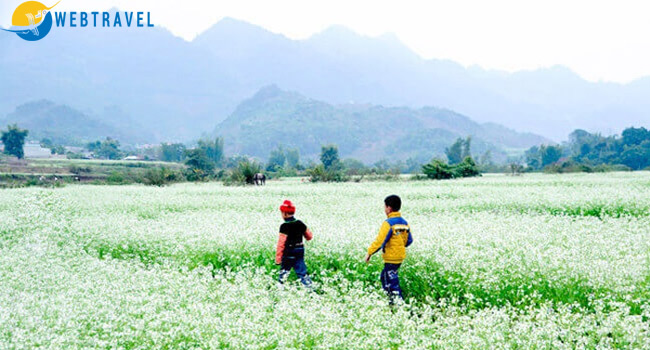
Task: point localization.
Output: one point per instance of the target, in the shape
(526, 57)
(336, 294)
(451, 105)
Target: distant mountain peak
(272, 93)
(337, 30)
(228, 26)
(268, 92)
(69, 126)
(232, 20)
(236, 23)
(260, 123)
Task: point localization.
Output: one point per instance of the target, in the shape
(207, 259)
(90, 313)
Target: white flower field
(498, 262)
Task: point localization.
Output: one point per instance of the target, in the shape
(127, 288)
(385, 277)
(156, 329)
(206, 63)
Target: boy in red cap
(290, 252)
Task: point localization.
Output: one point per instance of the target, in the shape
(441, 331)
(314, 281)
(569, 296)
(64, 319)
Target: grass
(561, 262)
(597, 210)
(423, 279)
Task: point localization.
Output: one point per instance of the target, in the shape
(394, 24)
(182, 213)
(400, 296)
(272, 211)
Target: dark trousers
(390, 280)
(294, 258)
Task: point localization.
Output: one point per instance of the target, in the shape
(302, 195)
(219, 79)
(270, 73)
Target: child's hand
(367, 259)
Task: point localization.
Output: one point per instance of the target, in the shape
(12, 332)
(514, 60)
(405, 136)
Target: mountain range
(274, 117)
(179, 90)
(65, 125)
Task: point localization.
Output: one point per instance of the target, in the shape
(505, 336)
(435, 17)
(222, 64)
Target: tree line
(206, 160)
(587, 151)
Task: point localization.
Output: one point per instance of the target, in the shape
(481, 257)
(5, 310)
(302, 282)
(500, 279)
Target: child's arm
(381, 237)
(410, 239)
(279, 250)
(308, 235)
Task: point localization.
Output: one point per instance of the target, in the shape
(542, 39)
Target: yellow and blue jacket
(393, 238)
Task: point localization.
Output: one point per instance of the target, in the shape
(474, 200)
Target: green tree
(213, 149)
(277, 159)
(467, 147)
(94, 146)
(331, 169)
(533, 159)
(579, 141)
(109, 149)
(635, 136)
(550, 154)
(14, 141)
(200, 167)
(455, 151)
(637, 157)
(329, 156)
(172, 152)
(293, 158)
(47, 143)
(58, 149)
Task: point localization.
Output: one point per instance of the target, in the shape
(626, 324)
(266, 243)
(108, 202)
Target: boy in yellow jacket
(393, 238)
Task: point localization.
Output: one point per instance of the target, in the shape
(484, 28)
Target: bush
(418, 177)
(354, 167)
(572, 166)
(567, 166)
(466, 168)
(288, 172)
(72, 155)
(282, 172)
(79, 169)
(234, 179)
(320, 174)
(161, 176)
(116, 178)
(194, 174)
(243, 174)
(439, 170)
(602, 168)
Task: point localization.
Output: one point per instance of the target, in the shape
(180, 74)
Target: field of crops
(528, 262)
(57, 172)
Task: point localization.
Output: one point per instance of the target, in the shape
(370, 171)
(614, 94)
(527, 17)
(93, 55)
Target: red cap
(288, 207)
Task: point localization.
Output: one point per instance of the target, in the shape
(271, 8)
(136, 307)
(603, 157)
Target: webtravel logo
(32, 20)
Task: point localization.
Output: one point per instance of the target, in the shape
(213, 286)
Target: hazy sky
(600, 40)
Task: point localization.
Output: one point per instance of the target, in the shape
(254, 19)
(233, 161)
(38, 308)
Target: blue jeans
(390, 280)
(294, 258)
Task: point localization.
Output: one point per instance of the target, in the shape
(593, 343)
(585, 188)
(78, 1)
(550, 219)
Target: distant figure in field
(290, 251)
(260, 179)
(393, 238)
